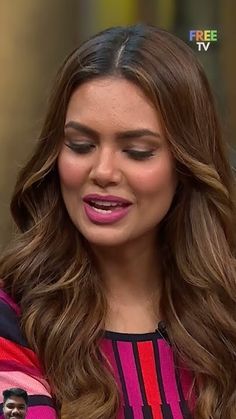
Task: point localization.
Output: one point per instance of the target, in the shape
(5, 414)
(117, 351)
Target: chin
(105, 238)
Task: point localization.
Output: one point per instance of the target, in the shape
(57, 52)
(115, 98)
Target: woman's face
(113, 145)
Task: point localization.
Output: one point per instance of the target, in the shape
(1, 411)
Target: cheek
(159, 179)
(71, 173)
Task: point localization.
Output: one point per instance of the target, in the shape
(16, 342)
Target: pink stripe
(38, 412)
(19, 379)
(131, 379)
(5, 297)
(120, 414)
(186, 379)
(107, 350)
(168, 378)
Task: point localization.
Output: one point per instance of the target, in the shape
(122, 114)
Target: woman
(126, 213)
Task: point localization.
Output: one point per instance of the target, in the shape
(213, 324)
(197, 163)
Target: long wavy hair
(49, 268)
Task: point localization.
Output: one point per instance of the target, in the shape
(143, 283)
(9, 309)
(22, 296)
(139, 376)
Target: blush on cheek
(70, 173)
(159, 182)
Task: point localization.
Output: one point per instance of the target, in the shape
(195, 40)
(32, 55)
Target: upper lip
(106, 198)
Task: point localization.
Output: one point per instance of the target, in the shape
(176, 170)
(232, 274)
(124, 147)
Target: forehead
(15, 400)
(112, 101)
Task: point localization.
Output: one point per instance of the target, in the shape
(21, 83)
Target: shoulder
(9, 320)
(19, 365)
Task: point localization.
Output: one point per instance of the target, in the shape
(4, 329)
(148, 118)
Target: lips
(105, 200)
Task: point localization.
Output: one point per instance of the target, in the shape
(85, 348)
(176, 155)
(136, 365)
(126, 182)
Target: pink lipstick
(101, 209)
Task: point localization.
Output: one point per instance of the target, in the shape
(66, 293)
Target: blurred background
(36, 35)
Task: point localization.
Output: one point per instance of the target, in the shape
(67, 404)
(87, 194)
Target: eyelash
(134, 154)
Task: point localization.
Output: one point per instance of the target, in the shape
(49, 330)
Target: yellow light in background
(165, 13)
(115, 12)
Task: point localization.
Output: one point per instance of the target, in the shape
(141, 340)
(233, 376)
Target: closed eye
(80, 148)
(139, 155)
(133, 154)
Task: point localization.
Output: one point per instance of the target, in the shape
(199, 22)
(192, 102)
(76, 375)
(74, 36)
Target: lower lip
(110, 217)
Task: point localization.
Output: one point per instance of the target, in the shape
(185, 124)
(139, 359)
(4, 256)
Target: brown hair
(50, 271)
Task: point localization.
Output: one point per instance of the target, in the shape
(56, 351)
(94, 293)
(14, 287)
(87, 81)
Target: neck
(132, 279)
(133, 270)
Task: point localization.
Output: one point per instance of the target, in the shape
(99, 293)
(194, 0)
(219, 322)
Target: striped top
(152, 385)
(19, 365)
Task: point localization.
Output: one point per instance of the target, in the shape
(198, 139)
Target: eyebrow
(129, 134)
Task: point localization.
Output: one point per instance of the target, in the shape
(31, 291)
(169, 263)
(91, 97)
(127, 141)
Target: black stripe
(166, 411)
(158, 371)
(165, 407)
(147, 412)
(36, 400)
(131, 337)
(120, 372)
(128, 412)
(185, 411)
(10, 325)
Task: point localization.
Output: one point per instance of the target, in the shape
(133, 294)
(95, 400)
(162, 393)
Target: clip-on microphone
(162, 330)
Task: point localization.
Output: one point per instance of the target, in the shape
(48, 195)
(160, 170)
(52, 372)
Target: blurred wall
(36, 35)
(227, 57)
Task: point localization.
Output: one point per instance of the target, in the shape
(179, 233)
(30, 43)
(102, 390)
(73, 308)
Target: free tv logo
(203, 38)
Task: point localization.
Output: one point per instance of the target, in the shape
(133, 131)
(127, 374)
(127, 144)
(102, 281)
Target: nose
(105, 169)
(16, 410)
